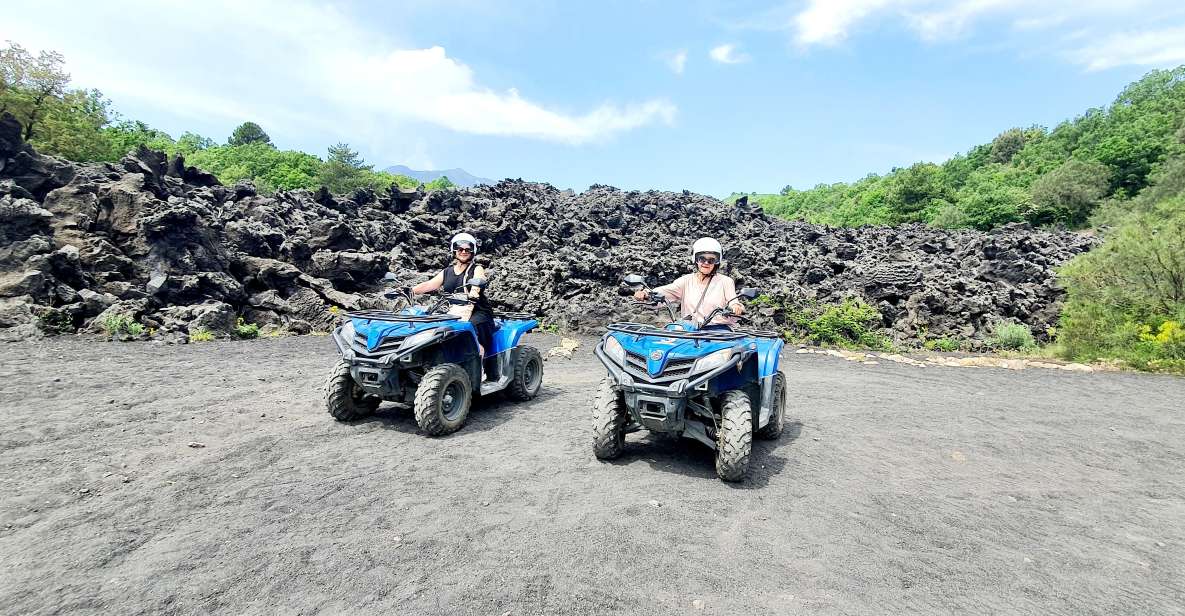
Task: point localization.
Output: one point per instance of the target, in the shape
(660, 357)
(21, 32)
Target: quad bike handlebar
(441, 304)
(655, 298)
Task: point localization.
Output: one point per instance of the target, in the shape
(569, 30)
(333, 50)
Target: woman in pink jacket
(704, 290)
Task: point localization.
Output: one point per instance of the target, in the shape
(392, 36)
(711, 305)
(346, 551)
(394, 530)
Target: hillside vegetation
(80, 125)
(1044, 177)
(1119, 169)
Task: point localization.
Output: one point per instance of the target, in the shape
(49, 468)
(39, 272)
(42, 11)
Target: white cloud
(677, 61)
(728, 54)
(827, 21)
(1150, 31)
(1147, 48)
(950, 19)
(296, 65)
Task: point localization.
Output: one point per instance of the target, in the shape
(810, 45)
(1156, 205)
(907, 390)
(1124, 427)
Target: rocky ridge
(168, 246)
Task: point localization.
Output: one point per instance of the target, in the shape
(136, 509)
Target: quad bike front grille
(676, 368)
(386, 347)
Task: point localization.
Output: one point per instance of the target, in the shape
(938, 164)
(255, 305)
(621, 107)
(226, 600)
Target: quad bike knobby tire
(527, 373)
(734, 439)
(609, 420)
(442, 399)
(344, 399)
(777, 418)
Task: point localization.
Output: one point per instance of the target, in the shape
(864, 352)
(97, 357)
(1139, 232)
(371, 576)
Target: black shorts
(485, 334)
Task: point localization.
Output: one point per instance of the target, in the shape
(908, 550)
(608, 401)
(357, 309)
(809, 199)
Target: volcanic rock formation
(166, 245)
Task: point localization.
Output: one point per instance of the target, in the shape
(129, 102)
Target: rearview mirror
(477, 282)
(635, 279)
(750, 292)
(389, 277)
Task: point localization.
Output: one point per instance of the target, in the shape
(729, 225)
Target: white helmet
(706, 244)
(463, 238)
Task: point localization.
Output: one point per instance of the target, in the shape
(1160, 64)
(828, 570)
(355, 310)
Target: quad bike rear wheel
(443, 399)
(344, 399)
(527, 374)
(777, 418)
(609, 421)
(734, 439)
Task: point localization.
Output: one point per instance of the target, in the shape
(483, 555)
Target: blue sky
(707, 96)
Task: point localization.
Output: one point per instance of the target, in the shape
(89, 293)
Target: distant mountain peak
(457, 176)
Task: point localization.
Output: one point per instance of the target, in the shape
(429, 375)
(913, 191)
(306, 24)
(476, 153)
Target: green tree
(30, 86)
(72, 126)
(915, 193)
(440, 183)
(994, 196)
(1006, 145)
(188, 143)
(125, 136)
(1070, 193)
(269, 168)
(248, 132)
(344, 170)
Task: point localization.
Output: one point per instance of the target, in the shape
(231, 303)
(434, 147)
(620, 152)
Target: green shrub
(117, 324)
(851, 323)
(200, 334)
(246, 331)
(943, 344)
(1126, 298)
(1012, 337)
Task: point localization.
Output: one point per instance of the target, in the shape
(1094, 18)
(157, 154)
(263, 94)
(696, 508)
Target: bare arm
(429, 285)
(478, 272)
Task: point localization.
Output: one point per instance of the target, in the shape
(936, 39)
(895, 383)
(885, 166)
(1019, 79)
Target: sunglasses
(463, 249)
(706, 260)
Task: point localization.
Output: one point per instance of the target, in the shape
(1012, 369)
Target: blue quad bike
(429, 359)
(720, 387)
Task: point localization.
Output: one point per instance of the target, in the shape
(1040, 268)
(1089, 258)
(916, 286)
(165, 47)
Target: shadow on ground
(682, 456)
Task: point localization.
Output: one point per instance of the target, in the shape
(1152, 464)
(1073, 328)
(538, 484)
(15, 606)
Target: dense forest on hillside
(1044, 177)
(80, 125)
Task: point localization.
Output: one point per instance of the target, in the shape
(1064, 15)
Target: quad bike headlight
(416, 340)
(714, 360)
(614, 350)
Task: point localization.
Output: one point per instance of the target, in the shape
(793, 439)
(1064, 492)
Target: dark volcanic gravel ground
(894, 490)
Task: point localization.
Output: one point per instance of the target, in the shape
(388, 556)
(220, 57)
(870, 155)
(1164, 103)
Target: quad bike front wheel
(527, 373)
(443, 399)
(734, 439)
(344, 399)
(609, 421)
(777, 418)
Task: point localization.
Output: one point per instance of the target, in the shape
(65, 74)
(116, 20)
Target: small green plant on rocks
(943, 344)
(245, 330)
(849, 324)
(118, 324)
(200, 334)
(1012, 337)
